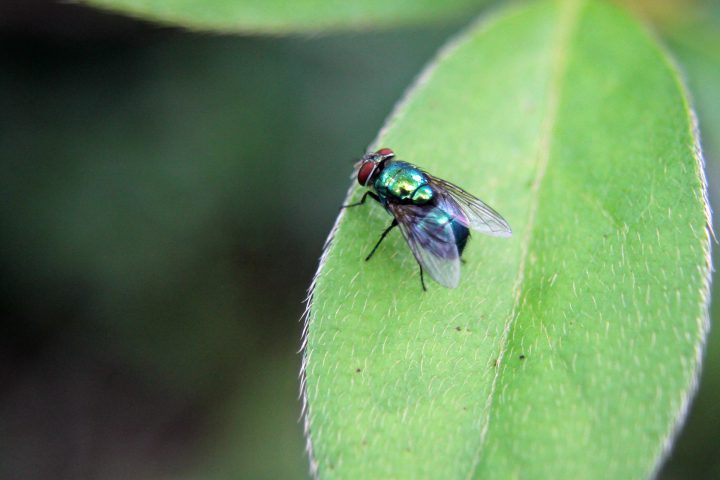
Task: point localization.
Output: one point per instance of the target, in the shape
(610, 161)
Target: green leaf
(283, 16)
(696, 43)
(569, 350)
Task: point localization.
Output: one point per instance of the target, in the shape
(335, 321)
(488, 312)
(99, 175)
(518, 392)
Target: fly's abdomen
(437, 226)
(404, 182)
(461, 235)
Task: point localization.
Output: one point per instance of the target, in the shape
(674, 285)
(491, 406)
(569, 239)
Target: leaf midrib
(568, 20)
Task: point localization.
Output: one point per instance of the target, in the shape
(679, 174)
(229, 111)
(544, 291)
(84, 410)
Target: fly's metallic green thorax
(404, 182)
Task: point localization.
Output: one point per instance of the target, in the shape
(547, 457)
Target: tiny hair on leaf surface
(285, 17)
(571, 349)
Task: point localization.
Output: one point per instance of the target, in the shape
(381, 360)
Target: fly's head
(372, 164)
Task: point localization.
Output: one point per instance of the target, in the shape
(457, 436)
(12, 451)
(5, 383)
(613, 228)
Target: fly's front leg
(382, 237)
(362, 200)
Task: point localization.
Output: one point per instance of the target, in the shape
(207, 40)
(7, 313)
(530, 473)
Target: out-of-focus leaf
(138, 187)
(282, 16)
(569, 350)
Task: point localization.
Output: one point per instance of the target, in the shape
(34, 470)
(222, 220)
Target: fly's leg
(382, 237)
(422, 279)
(362, 200)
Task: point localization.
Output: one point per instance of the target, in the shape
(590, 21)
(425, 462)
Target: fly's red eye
(385, 153)
(365, 172)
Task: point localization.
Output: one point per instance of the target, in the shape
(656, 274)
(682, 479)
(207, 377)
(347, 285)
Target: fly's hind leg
(422, 278)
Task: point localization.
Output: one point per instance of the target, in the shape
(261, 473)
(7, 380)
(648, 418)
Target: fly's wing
(475, 213)
(429, 234)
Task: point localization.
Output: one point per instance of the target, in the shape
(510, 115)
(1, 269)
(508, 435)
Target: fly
(434, 216)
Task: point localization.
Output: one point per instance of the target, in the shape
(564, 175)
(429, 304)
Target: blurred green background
(164, 197)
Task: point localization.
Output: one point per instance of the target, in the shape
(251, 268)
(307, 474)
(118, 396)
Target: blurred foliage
(282, 17)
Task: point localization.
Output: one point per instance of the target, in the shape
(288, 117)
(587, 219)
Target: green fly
(434, 216)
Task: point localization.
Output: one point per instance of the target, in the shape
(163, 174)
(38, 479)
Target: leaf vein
(569, 16)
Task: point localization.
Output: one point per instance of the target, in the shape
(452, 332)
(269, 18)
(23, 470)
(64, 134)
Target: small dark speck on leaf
(458, 328)
(358, 370)
(495, 362)
(522, 357)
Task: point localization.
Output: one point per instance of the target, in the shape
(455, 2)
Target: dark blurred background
(164, 197)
